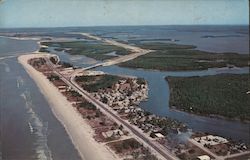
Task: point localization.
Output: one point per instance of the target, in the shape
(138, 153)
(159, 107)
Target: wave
(19, 82)
(38, 128)
(6, 67)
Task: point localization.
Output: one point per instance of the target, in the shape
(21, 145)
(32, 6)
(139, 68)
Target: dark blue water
(28, 128)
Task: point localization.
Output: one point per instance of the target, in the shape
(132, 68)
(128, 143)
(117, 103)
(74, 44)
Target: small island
(175, 57)
(90, 48)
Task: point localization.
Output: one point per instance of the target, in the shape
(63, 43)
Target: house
(159, 135)
(125, 86)
(211, 140)
(62, 87)
(204, 157)
(112, 133)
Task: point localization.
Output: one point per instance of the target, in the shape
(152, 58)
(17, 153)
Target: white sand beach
(77, 128)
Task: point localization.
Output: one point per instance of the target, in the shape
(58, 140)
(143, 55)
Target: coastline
(77, 128)
(219, 117)
(180, 70)
(210, 113)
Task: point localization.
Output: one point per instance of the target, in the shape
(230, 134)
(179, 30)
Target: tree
(104, 100)
(152, 134)
(135, 155)
(121, 127)
(98, 113)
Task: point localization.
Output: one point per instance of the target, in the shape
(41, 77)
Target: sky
(65, 13)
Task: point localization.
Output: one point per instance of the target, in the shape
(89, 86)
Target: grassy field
(96, 50)
(223, 95)
(183, 57)
(94, 83)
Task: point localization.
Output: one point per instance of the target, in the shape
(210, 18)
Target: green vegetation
(164, 46)
(53, 60)
(53, 77)
(168, 125)
(65, 64)
(94, 83)
(44, 49)
(128, 144)
(37, 62)
(74, 93)
(224, 95)
(96, 50)
(183, 57)
(142, 41)
(131, 147)
(87, 105)
(141, 81)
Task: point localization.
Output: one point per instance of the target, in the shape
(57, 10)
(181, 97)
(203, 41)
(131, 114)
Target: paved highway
(163, 152)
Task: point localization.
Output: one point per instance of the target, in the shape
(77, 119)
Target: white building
(204, 157)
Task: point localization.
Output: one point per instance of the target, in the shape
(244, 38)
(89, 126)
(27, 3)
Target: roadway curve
(134, 50)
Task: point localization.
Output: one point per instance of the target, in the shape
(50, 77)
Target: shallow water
(16, 47)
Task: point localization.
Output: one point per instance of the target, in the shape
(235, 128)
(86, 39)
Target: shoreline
(210, 113)
(77, 128)
(177, 70)
(213, 116)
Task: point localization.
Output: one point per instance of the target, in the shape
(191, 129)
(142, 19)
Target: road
(134, 51)
(205, 149)
(163, 152)
(237, 155)
(214, 155)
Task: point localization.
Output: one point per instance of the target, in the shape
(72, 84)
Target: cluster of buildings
(156, 127)
(210, 140)
(124, 94)
(124, 98)
(221, 146)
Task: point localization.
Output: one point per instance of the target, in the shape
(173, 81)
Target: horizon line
(126, 26)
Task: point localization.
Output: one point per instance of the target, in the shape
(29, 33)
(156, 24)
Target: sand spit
(77, 128)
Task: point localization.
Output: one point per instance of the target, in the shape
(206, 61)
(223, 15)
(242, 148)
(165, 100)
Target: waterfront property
(105, 129)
